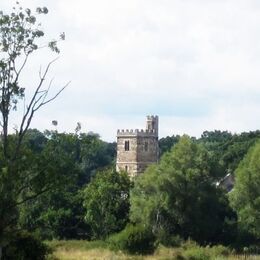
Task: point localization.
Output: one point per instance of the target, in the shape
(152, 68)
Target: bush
(197, 253)
(26, 246)
(168, 240)
(133, 240)
(220, 250)
(193, 251)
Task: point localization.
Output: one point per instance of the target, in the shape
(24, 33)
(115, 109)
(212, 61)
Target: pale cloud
(195, 63)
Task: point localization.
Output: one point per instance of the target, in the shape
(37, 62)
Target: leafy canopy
(178, 195)
(106, 201)
(245, 197)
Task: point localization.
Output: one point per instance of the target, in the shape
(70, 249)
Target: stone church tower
(136, 149)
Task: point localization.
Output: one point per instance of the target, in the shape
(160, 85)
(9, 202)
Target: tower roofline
(152, 116)
(136, 132)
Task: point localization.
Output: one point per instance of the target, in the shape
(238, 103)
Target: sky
(194, 63)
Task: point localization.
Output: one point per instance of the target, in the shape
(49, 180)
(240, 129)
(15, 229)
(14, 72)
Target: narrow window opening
(126, 145)
(146, 146)
(126, 168)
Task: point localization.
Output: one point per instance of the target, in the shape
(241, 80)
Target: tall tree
(245, 197)
(106, 201)
(179, 197)
(19, 39)
(71, 160)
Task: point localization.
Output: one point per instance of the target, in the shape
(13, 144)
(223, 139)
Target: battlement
(151, 117)
(151, 129)
(135, 132)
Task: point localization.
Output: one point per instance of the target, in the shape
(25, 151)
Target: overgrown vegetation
(133, 240)
(26, 246)
(186, 251)
(170, 203)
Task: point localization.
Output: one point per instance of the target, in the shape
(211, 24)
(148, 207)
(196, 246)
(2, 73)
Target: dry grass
(82, 250)
(89, 254)
(104, 254)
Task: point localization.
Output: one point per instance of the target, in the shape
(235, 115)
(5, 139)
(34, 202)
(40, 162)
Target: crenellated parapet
(152, 117)
(135, 132)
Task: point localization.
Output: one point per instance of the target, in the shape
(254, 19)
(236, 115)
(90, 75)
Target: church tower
(136, 149)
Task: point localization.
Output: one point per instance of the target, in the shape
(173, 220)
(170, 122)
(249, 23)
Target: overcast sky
(194, 63)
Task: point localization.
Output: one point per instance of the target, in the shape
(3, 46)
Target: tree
(227, 150)
(71, 160)
(237, 147)
(106, 201)
(166, 143)
(94, 154)
(178, 195)
(245, 197)
(53, 214)
(19, 39)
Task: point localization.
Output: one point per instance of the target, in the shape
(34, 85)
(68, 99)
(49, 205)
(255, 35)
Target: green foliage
(216, 136)
(164, 238)
(133, 240)
(94, 154)
(178, 196)
(196, 253)
(226, 150)
(166, 143)
(214, 142)
(245, 197)
(77, 244)
(26, 246)
(50, 211)
(68, 160)
(192, 251)
(106, 200)
(237, 148)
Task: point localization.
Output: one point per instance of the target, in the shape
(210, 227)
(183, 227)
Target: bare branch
(36, 102)
(22, 66)
(29, 198)
(40, 72)
(35, 95)
(51, 99)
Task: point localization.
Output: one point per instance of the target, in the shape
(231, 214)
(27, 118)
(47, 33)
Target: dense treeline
(84, 200)
(82, 197)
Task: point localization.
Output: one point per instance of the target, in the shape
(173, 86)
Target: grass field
(97, 250)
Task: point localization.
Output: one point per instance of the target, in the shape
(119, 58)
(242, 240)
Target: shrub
(197, 253)
(133, 240)
(26, 246)
(193, 251)
(220, 250)
(168, 240)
